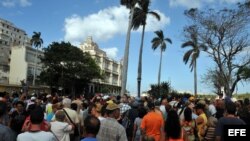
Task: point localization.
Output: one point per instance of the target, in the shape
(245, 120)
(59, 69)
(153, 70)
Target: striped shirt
(210, 134)
(111, 130)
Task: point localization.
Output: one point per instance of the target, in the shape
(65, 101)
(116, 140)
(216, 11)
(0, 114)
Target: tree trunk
(34, 77)
(195, 78)
(140, 63)
(159, 73)
(126, 54)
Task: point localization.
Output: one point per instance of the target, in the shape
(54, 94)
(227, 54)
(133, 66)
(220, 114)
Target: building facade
(24, 64)
(111, 69)
(17, 57)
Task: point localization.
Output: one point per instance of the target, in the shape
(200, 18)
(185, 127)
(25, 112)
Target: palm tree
(130, 4)
(160, 41)
(139, 18)
(37, 41)
(193, 54)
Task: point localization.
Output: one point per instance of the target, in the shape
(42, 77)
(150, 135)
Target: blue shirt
(50, 116)
(89, 139)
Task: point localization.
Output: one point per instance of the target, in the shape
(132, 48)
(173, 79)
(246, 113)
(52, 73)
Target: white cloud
(24, 3)
(231, 1)
(199, 3)
(111, 52)
(153, 24)
(185, 3)
(13, 3)
(8, 3)
(105, 24)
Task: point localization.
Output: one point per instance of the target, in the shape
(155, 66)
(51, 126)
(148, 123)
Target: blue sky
(106, 21)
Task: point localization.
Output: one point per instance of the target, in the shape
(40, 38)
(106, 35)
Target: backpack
(126, 122)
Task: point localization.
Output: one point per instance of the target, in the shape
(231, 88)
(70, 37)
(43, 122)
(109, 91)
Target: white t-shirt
(61, 130)
(101, 118)
(212, 109)
(36, 136)
(164, 112)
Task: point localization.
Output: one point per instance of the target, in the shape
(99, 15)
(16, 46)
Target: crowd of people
(49, 117)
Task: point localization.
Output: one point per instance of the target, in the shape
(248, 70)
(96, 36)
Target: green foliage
(244, 72)
(141, 12)
(36, 39)
(67, 66)
(160, 90)
(160, 41)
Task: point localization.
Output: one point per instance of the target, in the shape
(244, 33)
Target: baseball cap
(33, 98)
(110, 101)
(112, 106)
(48, 96)
(191, 98)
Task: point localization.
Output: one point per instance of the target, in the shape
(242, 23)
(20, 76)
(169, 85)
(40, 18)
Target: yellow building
(111, 69)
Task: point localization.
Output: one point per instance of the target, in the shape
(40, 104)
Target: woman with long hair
(173, 127)
(188, 125)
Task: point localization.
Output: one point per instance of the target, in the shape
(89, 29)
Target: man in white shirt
(61, 128)
(35, 133)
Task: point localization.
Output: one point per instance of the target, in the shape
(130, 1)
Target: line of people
(118, 118)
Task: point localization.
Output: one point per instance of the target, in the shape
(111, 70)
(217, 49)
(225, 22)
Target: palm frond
(138, 18)
(159, 33)
(155, 43)
(187, 44)
(163, 46)
(156, 15)
(168, 40)
(128, 3)
(187, 56)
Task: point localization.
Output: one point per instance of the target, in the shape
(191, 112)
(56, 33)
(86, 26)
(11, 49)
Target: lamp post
(62, 64)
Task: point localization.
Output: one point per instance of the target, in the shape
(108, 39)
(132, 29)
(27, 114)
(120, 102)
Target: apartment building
(24, 64)
(111, 69)
(17, 57)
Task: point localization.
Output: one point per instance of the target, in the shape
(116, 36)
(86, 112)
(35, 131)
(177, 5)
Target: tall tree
(226, 34)
(37, 42)
(130, 4)
(67, 66)
(193, 54)
(139, 19)
(160, 41)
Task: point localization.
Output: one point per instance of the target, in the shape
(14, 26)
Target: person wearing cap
(110, 129)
